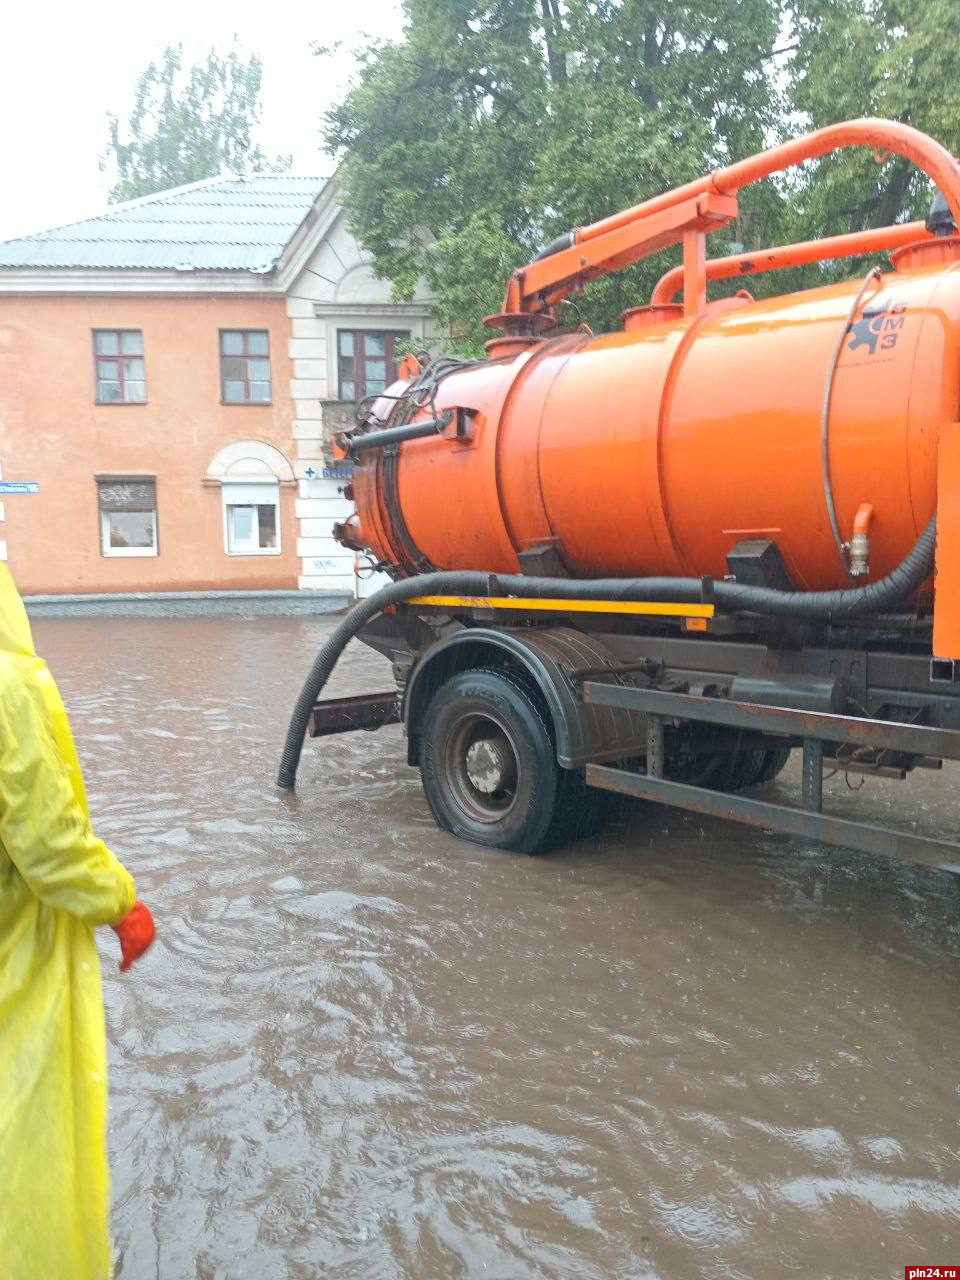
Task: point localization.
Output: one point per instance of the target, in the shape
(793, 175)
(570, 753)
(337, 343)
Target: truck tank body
(655, 562)
(653, 451)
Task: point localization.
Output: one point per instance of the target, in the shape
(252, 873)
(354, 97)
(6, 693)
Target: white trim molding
(360, 311)
(250, 460)
(141, 281)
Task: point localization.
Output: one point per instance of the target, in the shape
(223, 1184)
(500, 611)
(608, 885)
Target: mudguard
(557, 658)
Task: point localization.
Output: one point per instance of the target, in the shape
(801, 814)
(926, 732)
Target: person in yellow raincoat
(57, 883)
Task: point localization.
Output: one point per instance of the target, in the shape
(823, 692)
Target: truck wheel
(734, 771)
(700, 771)
(488, 764)
(774, 764)
(748, 765)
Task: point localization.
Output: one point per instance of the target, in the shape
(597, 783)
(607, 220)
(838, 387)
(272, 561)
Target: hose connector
(859, 563)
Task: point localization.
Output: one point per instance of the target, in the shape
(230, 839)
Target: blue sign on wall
(19, 486)
(329, 473)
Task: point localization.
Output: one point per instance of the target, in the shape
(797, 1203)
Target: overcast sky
(64, 66)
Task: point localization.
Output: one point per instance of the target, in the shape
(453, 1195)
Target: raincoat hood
(15, 634)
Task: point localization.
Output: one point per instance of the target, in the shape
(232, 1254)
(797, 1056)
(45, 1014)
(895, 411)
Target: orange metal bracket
(796, 255)
(555, 277)
(694, 272)
(597, 249)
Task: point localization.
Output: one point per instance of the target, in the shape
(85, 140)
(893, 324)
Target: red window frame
(389, 336)
(246, 355)
(119, 360)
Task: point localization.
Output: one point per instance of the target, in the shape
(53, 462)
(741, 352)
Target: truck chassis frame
(883, 676)
(813, 729)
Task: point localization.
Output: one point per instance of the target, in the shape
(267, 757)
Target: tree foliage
(494, 125)
(189, 123)
(889, 58)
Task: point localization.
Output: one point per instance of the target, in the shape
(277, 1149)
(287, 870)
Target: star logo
(310, 473)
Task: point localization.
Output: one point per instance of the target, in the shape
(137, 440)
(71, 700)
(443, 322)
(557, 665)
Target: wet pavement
(362, 1049)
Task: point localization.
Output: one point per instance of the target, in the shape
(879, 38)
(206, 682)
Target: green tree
(494, 125)
(188, 124)
(888, 58)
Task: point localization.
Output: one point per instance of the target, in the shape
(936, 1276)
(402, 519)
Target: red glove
(135, 932)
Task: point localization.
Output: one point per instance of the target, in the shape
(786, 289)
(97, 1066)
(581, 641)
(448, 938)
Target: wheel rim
(481, 763)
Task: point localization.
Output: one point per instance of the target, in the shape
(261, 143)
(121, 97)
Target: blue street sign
(329, 473)
(19, 486)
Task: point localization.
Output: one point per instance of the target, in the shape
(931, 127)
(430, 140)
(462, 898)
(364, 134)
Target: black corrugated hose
(876, 597)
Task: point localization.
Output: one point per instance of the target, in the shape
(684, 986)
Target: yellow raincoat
(57, 883)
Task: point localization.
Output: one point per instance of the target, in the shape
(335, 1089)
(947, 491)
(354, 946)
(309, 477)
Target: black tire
(774, 765)
(730, 771)
(489, 769)
(747, 769)
(698, 771)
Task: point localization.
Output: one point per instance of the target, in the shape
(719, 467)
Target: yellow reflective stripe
(648, 608)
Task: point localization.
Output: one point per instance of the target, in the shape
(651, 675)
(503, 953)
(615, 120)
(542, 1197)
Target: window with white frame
(251, 518)
(128, 515)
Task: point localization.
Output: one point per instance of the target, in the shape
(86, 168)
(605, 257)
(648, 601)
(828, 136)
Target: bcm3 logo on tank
(878, 328)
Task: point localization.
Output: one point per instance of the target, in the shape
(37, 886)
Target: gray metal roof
(229, 223)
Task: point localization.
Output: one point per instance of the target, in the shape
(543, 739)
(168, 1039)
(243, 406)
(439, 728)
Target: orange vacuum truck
(656, 561)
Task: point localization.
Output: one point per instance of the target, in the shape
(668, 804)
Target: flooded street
(362, 1049)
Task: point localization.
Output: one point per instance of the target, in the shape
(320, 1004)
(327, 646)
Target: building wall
(52, 431)
(335, 290)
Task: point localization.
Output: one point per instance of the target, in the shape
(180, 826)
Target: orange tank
(655, 450)
(812, 420)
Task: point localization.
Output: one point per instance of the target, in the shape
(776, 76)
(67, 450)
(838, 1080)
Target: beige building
(170, 375)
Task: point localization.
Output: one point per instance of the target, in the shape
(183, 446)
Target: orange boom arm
(686, 214)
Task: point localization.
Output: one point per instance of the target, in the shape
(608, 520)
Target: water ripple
(362, 1049)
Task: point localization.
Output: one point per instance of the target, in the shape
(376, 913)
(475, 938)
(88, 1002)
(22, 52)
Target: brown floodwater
(363, 1049)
